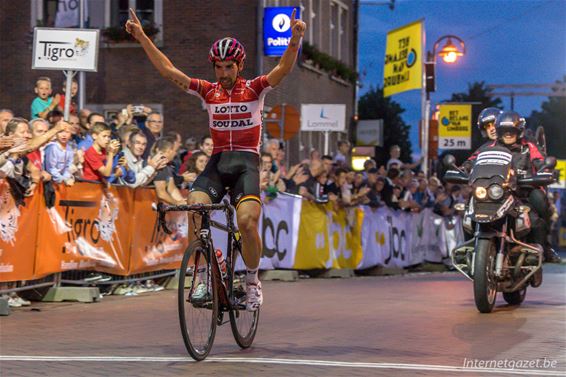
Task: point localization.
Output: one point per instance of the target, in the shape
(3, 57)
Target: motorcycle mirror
(550, 162)
(449, 161)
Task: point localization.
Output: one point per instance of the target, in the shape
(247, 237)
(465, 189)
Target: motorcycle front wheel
(485, 284)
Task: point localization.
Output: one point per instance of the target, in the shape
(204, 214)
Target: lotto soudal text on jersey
(234, 115)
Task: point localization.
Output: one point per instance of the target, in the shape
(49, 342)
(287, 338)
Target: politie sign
(277, 29)
(65, 49)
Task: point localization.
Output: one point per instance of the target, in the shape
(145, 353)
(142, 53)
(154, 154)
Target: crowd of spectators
(134, 148)
(325, 178)
(131, 149)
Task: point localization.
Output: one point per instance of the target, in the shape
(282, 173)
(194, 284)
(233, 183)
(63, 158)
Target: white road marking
(321, 363)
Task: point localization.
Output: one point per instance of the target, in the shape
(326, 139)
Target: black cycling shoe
(550, 256)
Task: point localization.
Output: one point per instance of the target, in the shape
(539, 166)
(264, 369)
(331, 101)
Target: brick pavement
(415, 319)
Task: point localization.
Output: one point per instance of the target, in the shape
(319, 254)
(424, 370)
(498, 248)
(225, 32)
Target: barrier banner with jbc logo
(278, 229)
(345, 238)
(114, 230)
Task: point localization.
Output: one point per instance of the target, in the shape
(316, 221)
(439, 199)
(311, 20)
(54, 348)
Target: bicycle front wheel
(243, 323)
(197, 301)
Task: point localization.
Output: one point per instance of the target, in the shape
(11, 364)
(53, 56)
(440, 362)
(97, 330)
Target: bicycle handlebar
(201, 207)
(162, 209)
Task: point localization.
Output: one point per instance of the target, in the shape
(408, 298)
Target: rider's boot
(550, 256)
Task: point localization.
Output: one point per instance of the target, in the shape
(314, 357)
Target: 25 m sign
(455, 126)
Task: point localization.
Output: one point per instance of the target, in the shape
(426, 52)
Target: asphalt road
(411, 325)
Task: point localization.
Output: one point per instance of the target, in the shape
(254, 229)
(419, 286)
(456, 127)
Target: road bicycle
(207, 288)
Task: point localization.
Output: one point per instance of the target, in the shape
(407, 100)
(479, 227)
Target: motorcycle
(498, 258)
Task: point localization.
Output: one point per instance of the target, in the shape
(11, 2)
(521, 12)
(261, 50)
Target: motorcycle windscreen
(493, 163)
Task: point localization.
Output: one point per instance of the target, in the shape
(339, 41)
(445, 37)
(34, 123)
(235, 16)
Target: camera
(137, 110)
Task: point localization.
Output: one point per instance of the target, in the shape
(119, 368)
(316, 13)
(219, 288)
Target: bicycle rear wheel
(197, 301)
(243, 323)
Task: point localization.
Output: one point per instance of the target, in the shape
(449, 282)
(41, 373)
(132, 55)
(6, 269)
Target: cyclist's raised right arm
(158, 59)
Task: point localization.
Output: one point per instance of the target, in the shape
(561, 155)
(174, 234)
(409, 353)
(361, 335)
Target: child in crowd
(59, 158)
(74, 91)
(98, 159)
(43, 104)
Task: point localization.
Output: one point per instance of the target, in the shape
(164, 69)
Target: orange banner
(18, 235)
(151, 249)
(88, 228)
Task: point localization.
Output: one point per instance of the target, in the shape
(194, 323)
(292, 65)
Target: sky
(507, 42)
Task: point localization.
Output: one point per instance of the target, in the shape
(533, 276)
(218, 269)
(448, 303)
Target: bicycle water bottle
(221, 263)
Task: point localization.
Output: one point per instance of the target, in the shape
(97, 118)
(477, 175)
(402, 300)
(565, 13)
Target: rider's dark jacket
(526, 156)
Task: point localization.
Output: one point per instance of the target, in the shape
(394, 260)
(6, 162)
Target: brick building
(185, 31)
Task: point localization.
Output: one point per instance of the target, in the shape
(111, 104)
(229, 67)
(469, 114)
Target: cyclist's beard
(227, 82)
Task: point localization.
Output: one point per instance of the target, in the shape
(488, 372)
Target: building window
(310, 10)
(343, 36)
(333, 29)
(339, 44)
(316, 23)
(99, 14)
(119, 12)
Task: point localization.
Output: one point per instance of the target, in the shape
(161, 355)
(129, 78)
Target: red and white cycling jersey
(234, 115)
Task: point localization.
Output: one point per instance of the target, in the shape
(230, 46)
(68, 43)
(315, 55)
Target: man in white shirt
(137, 143)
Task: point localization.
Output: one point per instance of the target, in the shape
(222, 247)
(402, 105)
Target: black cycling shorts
(234, 172)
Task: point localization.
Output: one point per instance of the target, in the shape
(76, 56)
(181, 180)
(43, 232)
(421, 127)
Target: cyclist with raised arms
(234, 107)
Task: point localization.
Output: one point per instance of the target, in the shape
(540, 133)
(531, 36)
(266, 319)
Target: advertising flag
(403, 69)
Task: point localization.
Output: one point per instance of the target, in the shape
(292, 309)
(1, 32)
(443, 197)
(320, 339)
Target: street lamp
(450, 54)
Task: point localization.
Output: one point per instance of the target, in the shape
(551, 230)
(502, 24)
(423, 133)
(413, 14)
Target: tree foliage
(552, 117)
(373, 105)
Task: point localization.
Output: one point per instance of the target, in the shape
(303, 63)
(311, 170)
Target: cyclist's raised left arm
(290, 55)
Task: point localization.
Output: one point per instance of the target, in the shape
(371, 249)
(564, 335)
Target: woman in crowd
(193, 167)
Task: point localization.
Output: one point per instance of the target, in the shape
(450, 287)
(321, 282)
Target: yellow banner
(455, 126)
(403, 69)
(561, 167)
(313, 250)
(346, 238)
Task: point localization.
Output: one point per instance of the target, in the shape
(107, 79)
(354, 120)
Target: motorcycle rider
(527, 159)
(486, 125)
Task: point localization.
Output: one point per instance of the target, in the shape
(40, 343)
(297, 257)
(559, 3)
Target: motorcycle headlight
(495, 192)
(480, 192)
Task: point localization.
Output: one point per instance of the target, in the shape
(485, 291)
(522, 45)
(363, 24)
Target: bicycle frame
(205, 236)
